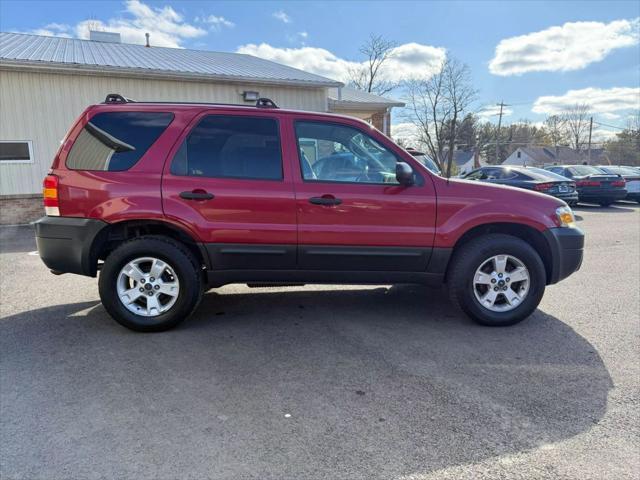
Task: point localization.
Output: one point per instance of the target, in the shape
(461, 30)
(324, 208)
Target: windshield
(583, 170)
(427, 162)
(619, 170)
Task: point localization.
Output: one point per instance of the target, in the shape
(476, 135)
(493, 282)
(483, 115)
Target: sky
(537, 56)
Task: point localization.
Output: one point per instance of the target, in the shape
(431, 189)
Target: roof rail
(117, 98)
(266, 103)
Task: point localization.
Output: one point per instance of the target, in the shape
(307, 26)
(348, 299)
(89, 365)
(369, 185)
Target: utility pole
(590, 129)
(501, 105)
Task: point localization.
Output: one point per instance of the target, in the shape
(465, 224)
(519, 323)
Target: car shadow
(342, 383)
(17, 238)
(614, 208)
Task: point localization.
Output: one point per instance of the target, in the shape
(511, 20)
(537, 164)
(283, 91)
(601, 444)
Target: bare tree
(436, 105)
(556, 129)
(368, 77)
(576, 120)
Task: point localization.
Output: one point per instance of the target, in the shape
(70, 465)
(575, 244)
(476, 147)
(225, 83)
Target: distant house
(541, 156)
(464, 161)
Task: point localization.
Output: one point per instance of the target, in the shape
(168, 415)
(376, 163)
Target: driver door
(352, 213)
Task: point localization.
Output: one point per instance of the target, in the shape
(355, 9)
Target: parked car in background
(167, 200)
(593, 185)
(425, 160)
(530, 178)
(631, 176)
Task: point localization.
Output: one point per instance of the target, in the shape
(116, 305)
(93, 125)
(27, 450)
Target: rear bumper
(567, 246)
(64, 243)
(567, 197)
(599, 195)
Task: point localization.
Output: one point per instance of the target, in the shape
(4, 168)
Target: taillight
(618, 183)
(50, 195)
(587, 183)
(542, 187)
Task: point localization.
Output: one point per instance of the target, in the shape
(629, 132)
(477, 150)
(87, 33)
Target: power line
(610, 126)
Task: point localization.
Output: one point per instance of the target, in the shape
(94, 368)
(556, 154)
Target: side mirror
(404, 174)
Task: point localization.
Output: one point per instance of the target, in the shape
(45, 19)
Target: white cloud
(406, 133)
(600, 135)
(493, 111)
(282, 16)
(303, 34)
(53, 30)
(600, 100)
(216, 22)
(166, 26)
(609, 116)
(571, 46)
(408, 61)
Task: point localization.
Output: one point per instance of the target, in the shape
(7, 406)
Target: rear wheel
(606, 203)
(497, 279)
(150, 284)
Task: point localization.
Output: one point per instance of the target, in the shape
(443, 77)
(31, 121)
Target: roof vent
(147, 36)
(107, 37)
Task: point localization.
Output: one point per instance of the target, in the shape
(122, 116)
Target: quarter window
(231, 147)
(115, 141)
(15, 152)
(337, 153)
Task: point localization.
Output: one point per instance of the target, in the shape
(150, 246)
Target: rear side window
(115, 141)
(222, 146)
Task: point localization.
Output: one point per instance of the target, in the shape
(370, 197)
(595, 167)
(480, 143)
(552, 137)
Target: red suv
(167, 200)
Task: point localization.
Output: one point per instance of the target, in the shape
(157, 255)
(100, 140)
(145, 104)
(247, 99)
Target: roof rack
(116, 98)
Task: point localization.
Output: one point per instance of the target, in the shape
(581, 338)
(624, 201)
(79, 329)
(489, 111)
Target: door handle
(325, 200)
(197, 195)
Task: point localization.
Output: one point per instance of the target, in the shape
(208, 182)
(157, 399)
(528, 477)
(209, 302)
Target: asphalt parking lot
(325, 382)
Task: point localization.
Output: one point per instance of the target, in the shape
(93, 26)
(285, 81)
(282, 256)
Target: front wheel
(150, 284)
(497, 279)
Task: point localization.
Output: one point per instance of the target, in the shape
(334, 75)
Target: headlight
(565, 217)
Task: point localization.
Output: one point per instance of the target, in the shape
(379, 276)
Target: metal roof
(17, 49)
(351, 98)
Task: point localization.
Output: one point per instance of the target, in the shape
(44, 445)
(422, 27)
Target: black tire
(606, 203)
(184, 265)
(470, 256)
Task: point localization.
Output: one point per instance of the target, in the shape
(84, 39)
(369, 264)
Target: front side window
(475, 175)
(231, 147)
(115, 141)
(337, 153)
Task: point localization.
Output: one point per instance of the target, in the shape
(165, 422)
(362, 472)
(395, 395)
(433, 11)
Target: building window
(519, 154)
(16, 152)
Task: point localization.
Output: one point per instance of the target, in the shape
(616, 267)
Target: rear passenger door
(226, 181)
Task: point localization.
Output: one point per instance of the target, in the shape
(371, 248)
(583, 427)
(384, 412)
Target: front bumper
(64, 243)
(566, 246)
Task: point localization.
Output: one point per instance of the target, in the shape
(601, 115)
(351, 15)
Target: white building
(46, 82)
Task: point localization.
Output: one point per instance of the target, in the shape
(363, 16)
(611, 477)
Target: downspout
(385, 122)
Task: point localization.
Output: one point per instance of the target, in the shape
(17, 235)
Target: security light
(250, 96)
